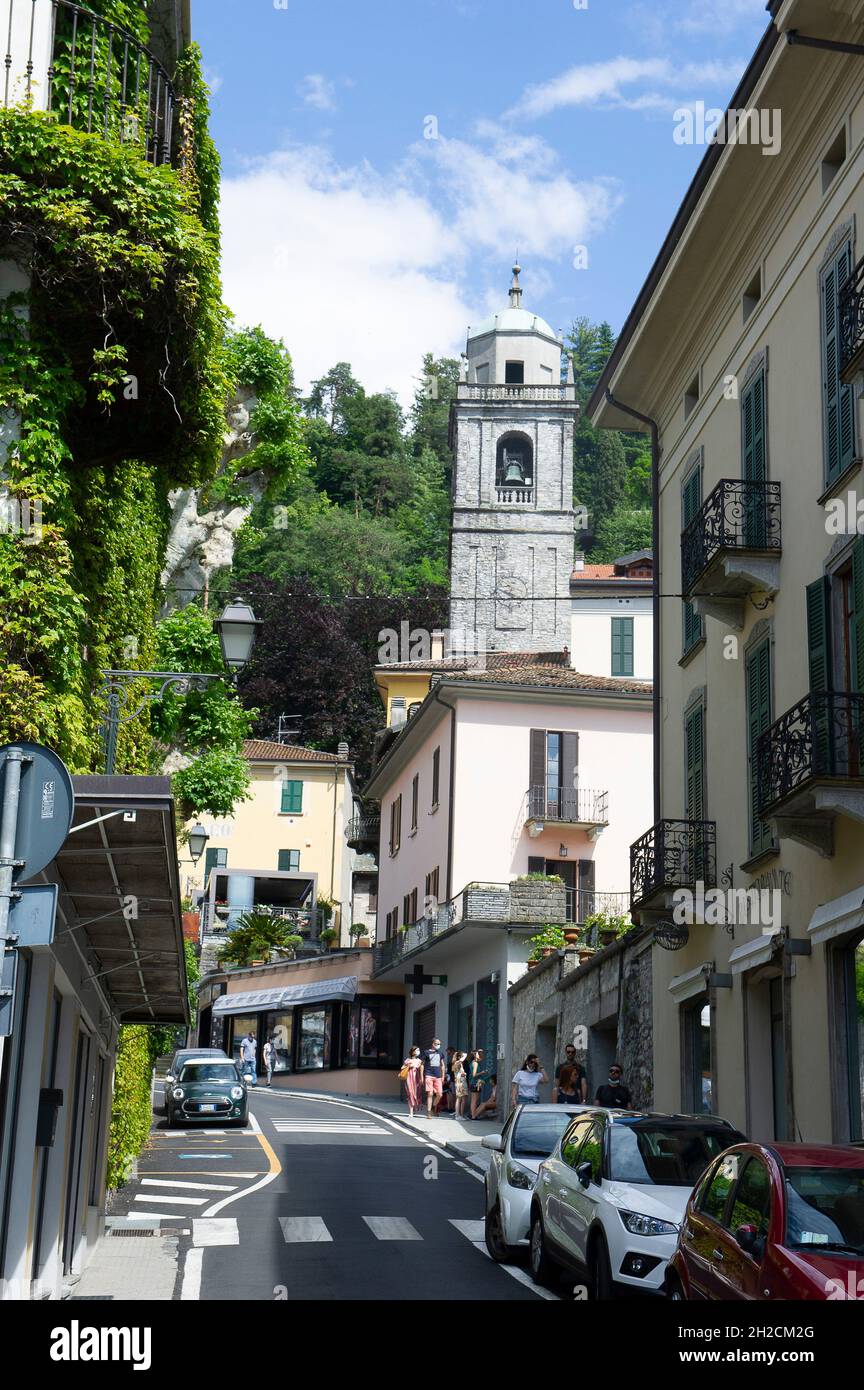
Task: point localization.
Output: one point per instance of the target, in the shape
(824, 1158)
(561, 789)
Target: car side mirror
(493, 1141)
(747, 1237)
(584, 1173)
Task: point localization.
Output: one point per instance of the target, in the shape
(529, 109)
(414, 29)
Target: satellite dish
(45, 807)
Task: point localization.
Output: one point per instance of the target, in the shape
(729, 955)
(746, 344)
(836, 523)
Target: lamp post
(237, 626)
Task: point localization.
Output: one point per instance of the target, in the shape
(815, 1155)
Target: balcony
(91, 74)
(481, 391)
(672, 854)
(220, 918)
(852, 326)
(809, 768)
(515, 496)
(362, 833)
(731, 548)
(580, 808)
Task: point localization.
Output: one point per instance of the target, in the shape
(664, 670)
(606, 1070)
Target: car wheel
(544, 1270)
(600, 1271)
(674, 1288)
(493, 1229)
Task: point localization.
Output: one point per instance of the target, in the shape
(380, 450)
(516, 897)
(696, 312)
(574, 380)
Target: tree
(600, 474)
(330, 392)
(624, 530)
(430, 412)
(336, 551)
(256, 935)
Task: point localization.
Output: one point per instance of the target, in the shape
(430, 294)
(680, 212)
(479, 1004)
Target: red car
(778, 1221)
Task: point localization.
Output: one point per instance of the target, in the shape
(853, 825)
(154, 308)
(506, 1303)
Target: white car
(611, 1196)
(529, 1136)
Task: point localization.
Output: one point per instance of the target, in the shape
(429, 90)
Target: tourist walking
(460, 1084)
(269, 1060)
(412, 1075)
(433, 1075)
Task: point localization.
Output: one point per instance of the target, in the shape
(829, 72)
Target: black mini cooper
(207, 1090)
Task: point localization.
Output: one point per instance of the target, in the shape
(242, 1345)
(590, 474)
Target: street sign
(33, 915)
(45, 807)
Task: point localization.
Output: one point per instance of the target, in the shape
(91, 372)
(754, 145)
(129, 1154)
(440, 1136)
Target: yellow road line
(273, 1173)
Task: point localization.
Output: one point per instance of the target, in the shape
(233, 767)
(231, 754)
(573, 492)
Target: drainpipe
(452, 709)
(655, 581)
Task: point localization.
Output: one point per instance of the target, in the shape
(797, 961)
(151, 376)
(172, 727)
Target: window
(752, 295)
(514, 373)
(838, 404)
(214, 859)
(415, 797)
(432, 887)
(514, 461)
(572, 1144)
(753, 461)
(752, 1203)
(852, 977)
(717, 1192)
(373, 1035)
(313, 1041)
(691, 397)
(691, 501)
(409, 908)
(289, 860)
(436, 776)
(396, 825)
(622, 646)
(698, 1072)
(835, 634)
(835, 158)
(694, 748)
(292, 798)
(758, 687)
(553, 774)
(592, 1152)
(392, 923)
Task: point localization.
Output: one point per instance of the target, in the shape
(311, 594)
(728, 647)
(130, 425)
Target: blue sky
(353, 236)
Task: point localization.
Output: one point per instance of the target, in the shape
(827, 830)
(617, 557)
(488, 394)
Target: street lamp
(196, 840)
(236, 627)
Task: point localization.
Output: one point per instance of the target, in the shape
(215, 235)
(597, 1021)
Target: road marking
(472, 1172)
(205, 1173)
(201, 1186)
(304, 1230)
(270, 1176)
(175, 1201)
(191, 1287)
(399, 1126)
(474, 1231)
(392, 1228)
(200, 1155)
(330, 1129)
(471, 1230)
(157, 1215)
(221, 1231)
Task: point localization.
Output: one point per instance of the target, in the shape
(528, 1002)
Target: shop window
(853, 1017)
(698, 1075)
(313, 1038)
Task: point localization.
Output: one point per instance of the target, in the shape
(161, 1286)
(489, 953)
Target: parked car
(780, 1221)
(528, 1137)
(175, 1066)
(611, 1195)
(209, 1089)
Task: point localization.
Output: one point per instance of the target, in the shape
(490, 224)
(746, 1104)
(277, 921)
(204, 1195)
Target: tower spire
(516, 288)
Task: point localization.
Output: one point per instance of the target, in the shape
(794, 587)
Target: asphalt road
(320, 1201)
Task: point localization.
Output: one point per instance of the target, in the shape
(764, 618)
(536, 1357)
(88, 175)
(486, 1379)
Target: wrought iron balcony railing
(673, 854)
(852, 323)
(817, 740)
(588, 902)
(738, 515)
(363, 831)
(224, 917)
(90, 73)
(572, 806)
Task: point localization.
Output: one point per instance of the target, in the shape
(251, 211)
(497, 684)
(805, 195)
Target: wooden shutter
(838, 398)
(857, 653)
(758, 683)
(819, 633)
(694, 733)
(587, 902)
(436, 775)
(753, 462)
(569, 776)
(537, 773)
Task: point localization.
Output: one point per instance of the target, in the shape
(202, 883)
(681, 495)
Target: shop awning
(316, 992)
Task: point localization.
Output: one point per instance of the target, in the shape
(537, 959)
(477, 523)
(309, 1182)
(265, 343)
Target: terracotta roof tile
(262, 750)
(557, 678)
(492, 661)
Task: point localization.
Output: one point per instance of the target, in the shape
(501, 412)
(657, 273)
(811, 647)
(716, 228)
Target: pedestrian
(476, 1078)
(527, 1081)
(614, 1095)
(460, 1084)
(490, 1105)
(433, 1075)
(249, 1056)
(566, 1089)
(269, 1060)
(581, 1078)
(449, 1099)
(412, 1075)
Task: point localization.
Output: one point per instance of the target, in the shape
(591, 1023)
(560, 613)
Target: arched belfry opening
(514, 463)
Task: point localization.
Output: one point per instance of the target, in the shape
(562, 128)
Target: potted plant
(605, 926)
(359, 935)
(328, 935)
(547, 941)
(289, 946)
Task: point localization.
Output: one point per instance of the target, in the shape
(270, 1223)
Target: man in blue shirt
(433, 1075)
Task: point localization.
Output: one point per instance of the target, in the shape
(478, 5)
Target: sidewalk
(462, 1138)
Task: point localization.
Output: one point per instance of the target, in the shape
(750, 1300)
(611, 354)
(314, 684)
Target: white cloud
(347, 264)
(657, 22)
(608, 83)
(318, 91)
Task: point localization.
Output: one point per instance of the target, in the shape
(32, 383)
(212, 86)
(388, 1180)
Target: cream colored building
(742, 348)
(288, 845)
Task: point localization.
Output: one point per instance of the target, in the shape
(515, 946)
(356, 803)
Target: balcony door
(554, 775)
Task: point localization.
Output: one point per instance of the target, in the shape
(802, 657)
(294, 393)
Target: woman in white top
(527, 1081)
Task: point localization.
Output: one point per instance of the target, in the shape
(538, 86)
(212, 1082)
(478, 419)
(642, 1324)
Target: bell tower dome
(512, 427)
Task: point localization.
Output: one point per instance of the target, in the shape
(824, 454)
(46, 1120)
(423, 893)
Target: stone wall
(485, 903)
(537, 902)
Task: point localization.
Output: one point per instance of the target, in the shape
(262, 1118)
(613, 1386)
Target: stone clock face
(511, 605)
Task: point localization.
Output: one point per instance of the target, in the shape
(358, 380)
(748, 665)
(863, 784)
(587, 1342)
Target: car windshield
(209, 1071)
(536, 1132)
(825, 1208)
(666, 1154)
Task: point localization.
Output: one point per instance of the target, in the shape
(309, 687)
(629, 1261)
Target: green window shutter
(622, 646)
(857, 654)
(753, 468)
(838, 398)
(819, 633)
(289, 860)
(694, 734)
(758, 682)
(691, 501)
(292, 798)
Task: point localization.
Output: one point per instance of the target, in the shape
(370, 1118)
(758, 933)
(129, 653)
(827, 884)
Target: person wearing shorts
(434, 1063)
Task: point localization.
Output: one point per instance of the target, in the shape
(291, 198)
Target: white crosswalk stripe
(215, 1230)
(174, 1201)
(392, 1228)
(304, 1230)
(311, 1127)
(200, 1186)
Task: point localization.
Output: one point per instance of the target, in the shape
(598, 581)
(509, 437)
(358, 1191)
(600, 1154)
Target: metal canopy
(120, 895)
(315, 992)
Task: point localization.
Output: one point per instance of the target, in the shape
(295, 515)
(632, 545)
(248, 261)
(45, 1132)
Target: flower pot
(585, 953)
(571, 938)
(364, 943)
(532, 963)
(608, 935)
(548, 951)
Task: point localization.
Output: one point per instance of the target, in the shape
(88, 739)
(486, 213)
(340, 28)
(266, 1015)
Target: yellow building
(743, 353)
(287, 847)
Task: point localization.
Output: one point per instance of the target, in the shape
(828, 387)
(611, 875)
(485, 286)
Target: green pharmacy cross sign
(417, 979)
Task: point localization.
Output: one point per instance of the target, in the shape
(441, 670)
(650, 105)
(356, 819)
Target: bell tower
(512, 429)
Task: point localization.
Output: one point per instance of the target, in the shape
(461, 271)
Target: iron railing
(583, 903)
(738, 515)
(819, 738)
(218, 918)
(477, 901)
(92, 74)
(673, 854)
(852, 318)
(572, 805)
(363, 830)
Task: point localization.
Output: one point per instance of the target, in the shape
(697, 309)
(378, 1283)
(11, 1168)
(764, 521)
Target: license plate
(207, 1108)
